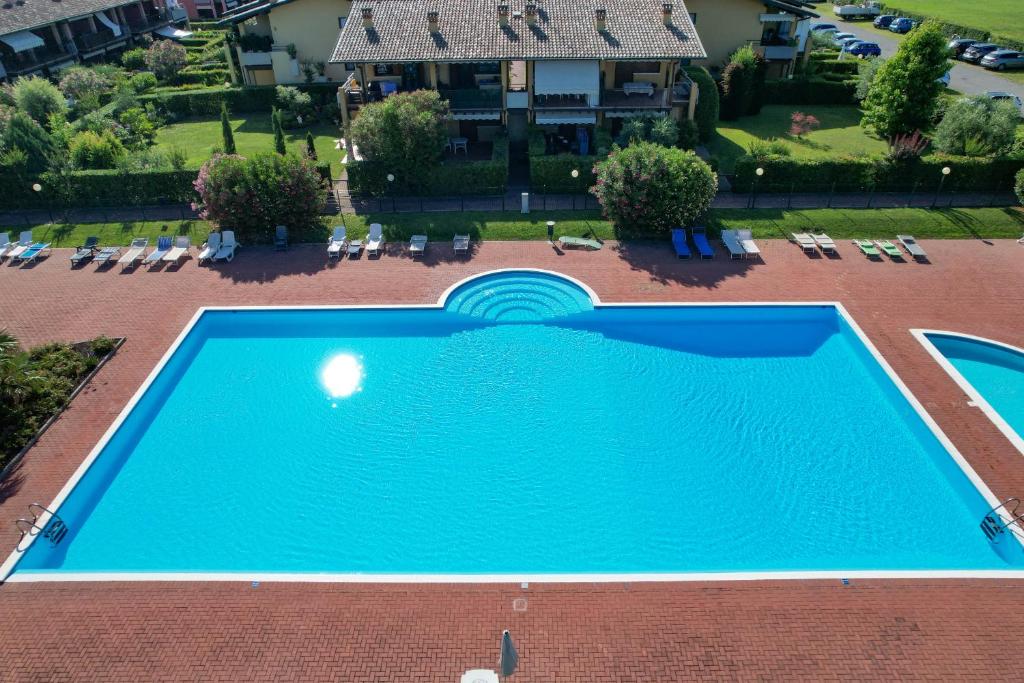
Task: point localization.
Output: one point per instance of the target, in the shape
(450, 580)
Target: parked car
(958, 45)
(884, 20)
(847, 43)
(901, 25)
(862, 11)
(1000, 96)
(838, 38)
(822, 27)
(975, 52)
(1001, 60)
(827, 32)
(864, 49)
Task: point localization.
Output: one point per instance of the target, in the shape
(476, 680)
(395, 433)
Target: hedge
(457, 178)
(810, 91)
(239, 100)
(706, 113)
(552, 174)
(203, 76)
(103, 188)
(848, 174)
(951, 29)
(846, 67)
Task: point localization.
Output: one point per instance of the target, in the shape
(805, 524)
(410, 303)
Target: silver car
(1001, 60)
(1000, 96)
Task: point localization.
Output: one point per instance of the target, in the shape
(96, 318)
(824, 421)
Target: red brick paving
(908, 629)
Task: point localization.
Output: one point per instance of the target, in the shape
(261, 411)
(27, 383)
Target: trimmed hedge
(103, 188)
(552, 174)
(458, 178)
(248, 99)
(950, 29)
(849, 174)
(810, 91)
(203, 76)
(847, 67)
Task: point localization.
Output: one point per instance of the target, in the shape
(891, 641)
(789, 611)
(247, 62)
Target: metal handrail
(1004, 518)
(31, 527)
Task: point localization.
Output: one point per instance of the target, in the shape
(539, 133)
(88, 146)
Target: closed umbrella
(509, 657)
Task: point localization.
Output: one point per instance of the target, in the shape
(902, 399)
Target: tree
(310, 146)
(646, 189)
(801, 124)
(81, 82)
(25, 134)
(1019, 186)
(251, 196)
(89, 150)
(166, 58)
(38, 98)
(905, 89)
(275, 122)
(977, 126)
(867, 69)
(737, 89)
(225, 130)
(706, 114)
(403, 136)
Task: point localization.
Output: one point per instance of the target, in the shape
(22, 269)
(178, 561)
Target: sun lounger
(105, 254)
(354, 247)
(24, 242)
(731, 243)
(867, 248)
(375, 239)
(583, 242)
(163, 245)
(912, 247)
(35, 251)
(824, 242)
(746, 240)
(281, 238)
(337, 243)
(180, 250)
(134, 253)
(5, 244)
(805, 241)
(418, 245)
(679, 243)
(227, 246)
(85, 252)
(210, 247)
(460, 243)
(890, 249)
(700, 238)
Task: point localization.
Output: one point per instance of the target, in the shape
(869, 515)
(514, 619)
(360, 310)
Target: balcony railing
(619, 99)
(471, 98)
(152, 20)
(560, 102)
(88, 42)
(777, 50)
(25, 62)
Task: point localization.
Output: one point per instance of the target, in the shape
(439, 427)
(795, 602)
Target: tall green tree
(904, 92)
(310, 147)
(275, 120)
(225, 130)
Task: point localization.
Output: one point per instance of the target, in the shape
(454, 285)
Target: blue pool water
(521, 430)
(997, 373)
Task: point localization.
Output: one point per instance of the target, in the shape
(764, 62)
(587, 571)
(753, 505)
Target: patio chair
(460, 243)
(582, 242)
(375, 239)
(679, 243)
(868, 249)
(281, 238)
(105, 255)
(890, 249)
(135, 253)
(227, 247)
(805, 241)
(337, 242)
(24, 242)
(746, 240)
(732, 244)
(700, 238)
(418, 245)
(824, 242)
(5, 244)
(35, 251)
(163, 246)
(912, 247)
(354, 247)
(180, 250)
(210, 247)
(85, 252)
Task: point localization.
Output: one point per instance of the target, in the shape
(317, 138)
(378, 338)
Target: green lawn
(198, 137)
(1003, 17)
(839, 133)
(766, 224)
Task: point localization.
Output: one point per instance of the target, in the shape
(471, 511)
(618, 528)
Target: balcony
(619, 99)
(251, 59)
(24, 63)
(472, 98)
(149, 22)
(778, 50)
(92, 43)
(560, 102)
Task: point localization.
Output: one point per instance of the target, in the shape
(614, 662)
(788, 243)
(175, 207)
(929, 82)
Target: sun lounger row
(875, 248)
(811, 242)
(339, 243)
(25, 250)
(700, 240)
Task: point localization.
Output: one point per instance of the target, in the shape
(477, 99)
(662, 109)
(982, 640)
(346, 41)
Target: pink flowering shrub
(646, 189)
(252, 196)
(166, 58)
(801, 124)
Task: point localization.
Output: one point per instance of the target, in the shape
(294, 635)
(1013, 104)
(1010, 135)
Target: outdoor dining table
(459, 143)
(639, 87)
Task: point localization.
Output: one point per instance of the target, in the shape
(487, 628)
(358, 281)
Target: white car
(1001, 96)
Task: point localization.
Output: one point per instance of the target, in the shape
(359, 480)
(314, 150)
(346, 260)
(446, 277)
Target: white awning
(547, 118)
(477, 115)
(19, 41)
(112, 25)
(633, 113)
(568, 77)
(172, 33)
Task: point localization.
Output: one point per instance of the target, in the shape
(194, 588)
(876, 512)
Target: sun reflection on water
(342, 375)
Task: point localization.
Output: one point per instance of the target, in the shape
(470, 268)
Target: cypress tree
(275, 118)
(310, 147)
(225, 130)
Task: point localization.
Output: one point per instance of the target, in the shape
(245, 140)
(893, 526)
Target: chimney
(367, 18)
(600, 19)
(432, 17)
(502, 15)
(666, 13)
(531, 14)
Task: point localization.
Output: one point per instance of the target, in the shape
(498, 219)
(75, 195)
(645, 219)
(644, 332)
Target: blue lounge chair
(700, 238)
(35, 251)
(679, 242)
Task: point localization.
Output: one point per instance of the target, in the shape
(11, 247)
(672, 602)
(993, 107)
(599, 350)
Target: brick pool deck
(821, 630)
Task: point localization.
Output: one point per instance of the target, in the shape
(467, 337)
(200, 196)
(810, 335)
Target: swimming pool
(521, 429)
(990, 372)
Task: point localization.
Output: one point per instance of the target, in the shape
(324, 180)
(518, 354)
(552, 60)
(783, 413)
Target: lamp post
(551, 232)
(757, 177)
(37, 188)
(946, 170)
(575, 174)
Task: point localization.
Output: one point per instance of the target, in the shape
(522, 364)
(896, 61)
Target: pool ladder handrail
(53, 527)
(1003, 518)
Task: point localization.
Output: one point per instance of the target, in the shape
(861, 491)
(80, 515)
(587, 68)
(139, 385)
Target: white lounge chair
(210, 247)
(337, 243)
(461, 244)
(805, 241)
(5, 243)
(227, 246)
(912, 247)
(135, 253)
(24, 242)
(418, 245)
(746, 240)
(163, 246)
(375, 239)
(732, 244)
(105, 255)
(180, 250)
(825, 243)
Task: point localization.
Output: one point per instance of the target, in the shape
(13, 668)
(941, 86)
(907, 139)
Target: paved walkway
(908, 629)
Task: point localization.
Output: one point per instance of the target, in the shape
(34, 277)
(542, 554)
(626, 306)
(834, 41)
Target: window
(342, 21)
(693, 17)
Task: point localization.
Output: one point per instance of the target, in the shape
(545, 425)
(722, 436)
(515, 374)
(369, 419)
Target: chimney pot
(367, 13)
(600, 19)
(432, 22)
(666, 13)
(503, 15)
(531, 14)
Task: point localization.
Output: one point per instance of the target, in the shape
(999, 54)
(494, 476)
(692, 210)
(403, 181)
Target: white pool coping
(8, 565)
(922, 336)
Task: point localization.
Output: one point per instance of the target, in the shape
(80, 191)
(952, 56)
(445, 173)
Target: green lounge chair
(567, 241)
(867, 248)
(890, 249)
